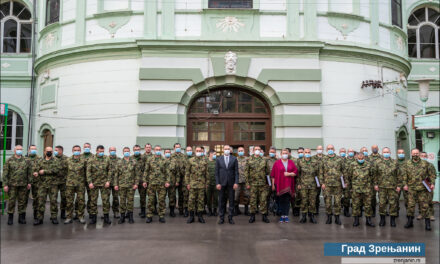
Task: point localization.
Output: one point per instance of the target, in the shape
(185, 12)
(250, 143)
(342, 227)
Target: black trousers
(284, 200)
(226, 193)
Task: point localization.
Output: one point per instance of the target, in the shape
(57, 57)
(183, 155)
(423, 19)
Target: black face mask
(375, 151)
(49, 154)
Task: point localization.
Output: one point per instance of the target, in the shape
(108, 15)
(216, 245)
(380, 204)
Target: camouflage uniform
(98, 173)
(60, 181)
(347, 192)
(255, 173)
(51, 169)
(431, 204)
(361, 179)
(307, 171)
(35, 181)
(401, 164)
(415, 172)
(178, 161)
(156, 174)
(86, 157)
(125, 178)
(387, 177)
(296, 203)
(332, 170)
(17, 175)
(114, 166)
(171, 190)
(211, 190)
(197, 176)
(318, 161)
(75, 184)
(373, 159)
(143, 191)
(242, 190)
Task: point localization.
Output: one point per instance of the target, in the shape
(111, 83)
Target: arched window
(14, 133)
(52, 11)
(423, 34)
(16, 28)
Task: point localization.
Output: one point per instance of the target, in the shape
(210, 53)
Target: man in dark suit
(226, 179)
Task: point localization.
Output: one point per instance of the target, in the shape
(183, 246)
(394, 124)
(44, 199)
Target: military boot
(427, 224)
(337, 220)
(303, 218)
(409, 223)
(38, 221)
(22, 218)
(10, 219)
(63, 214)
(162, 220)
(329, 219)
(142, 213)
(246, 210)
(252, 218)
(107, 219)
(393, 221)
(130, 218)
(121, 219)
(368, 222)
(382, 220)
(200, 215)
(172, 214)
(191, 217)
(346, 211)
(54, 220)
(356, 221)
(149, 220)
(312, 218)
(237, 210)
(210, 211)
(92, 219)
(214, 212)
(185, 212)
(265, 218)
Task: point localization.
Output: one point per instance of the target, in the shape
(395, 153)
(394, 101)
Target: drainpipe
(33, 77)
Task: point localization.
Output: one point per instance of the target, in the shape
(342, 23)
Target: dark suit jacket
(226, 175)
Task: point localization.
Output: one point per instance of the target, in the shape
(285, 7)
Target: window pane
(8, 144)
(427, 50)
(412, 36)
(52, 11)
(25, 15)
(10, 29)
(17, 8)
(258, 102)
(25, 37)
(260, 110)
(18, 131)
(240, 126)
(433, 16)
(200, 136)
(420, 15)
(217, 126)
(259, 135)
(244, 97)
(427, 34)
(5, 9)
(212, 107)
(412, 50)
(229, 105)
(230, 4)
(19, 141)
(200, 125)
(214, 97)
(258, 126)
(396, 12)
(245, 108)
(217, 136)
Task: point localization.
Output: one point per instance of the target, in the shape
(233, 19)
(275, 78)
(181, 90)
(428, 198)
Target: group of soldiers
(188, 180)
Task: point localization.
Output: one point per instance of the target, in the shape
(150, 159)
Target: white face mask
(257, 152)
(285, 156)
(319, 151)
(227, 152)
(199, 154)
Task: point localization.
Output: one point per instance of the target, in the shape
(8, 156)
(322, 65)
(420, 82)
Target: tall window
(230, 4)
(14, 133)
(423, 34)
(396, 15)
(52, 11)
(16, 28)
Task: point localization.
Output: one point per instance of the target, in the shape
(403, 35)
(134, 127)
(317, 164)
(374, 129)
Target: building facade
(203, 72)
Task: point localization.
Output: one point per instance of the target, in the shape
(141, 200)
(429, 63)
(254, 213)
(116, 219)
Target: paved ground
(178, 242)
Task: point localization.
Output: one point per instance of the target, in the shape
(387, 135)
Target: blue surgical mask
(101, 154)
(158, 153)
(272, 155)
(178, 150)
(33, 152)
(86, 150)
(137, 153)
(387, 155)
(214, 156)
(189, 153)
(366, 153)
(167, 155)
(351, 154)
(76, 153)
(112, 153)
(55, 153)
(261, 154)
(300, 155)
(19, 152)
(285, 156)
(425, 159)
(331, 152)
(343, 154)
(401, 156)
(126, 154)
(227, 152)
(308, 155)
(240, 153)
(361, 161)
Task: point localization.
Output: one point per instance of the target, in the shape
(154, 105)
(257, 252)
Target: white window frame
(13, 114)
(19, 22)
(436, 34)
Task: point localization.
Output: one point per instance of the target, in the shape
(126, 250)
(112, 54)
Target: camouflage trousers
(161, 192)
(373, 199)
(43, 192)
(346, 199)
(308, 202)
(19, 194)
(212, 196)
(242, 194)
(115, 200)
(259, 193)
(431, 204)
(318, 199)
(388, 196)
(80, 200)
(126, 194)
(359, 199)
(105, 197)
(34, 190)
(183, 196)
(87, 189)
(423, 197)
(297, 198)
(142, 196)
(171, 193)
(62, 189)
(196, 200)
(334, 192)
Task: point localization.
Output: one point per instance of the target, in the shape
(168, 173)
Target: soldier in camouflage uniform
(401, 163)
(47, 170)
(331, 183)
(307, 171)
(361, 175)
(242, 190)
(317, 159)
(211, 190)
(126, 182)
(196, 181)
(114, 164)
(179, 159)
(171, 190)
(424, 156)
(140, 169)
(348, 159)
(189, 155)
(98, 178)
(60, 182)
(157, 178)
(375, 156)
(16, 181)
(270, 162)
(416, 172)
(33, 158)
(75, 184)
(87, 155)
(387, 182)
(256, 181)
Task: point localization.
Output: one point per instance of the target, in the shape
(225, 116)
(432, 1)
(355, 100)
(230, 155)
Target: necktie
(227, 161)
